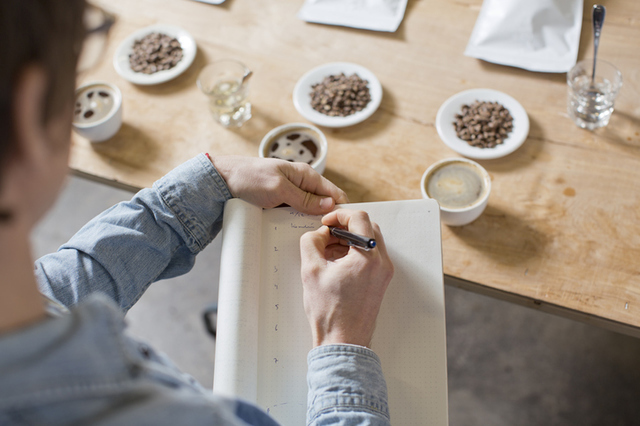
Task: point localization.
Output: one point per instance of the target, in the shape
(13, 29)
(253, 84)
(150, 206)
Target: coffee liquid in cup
(456, 185)
(295, 146)
(93, 104)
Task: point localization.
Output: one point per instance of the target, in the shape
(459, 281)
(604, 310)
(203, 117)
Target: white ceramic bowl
(453, 105)
(107, 126)
(321, 160)
(303, 88)
(121, 57)
(462, 216)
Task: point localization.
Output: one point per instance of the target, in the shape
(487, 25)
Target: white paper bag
(377, 15)
(538, 35)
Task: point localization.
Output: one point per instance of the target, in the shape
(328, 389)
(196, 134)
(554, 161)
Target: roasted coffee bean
(155, 52)
(483, 124)
(340, 96)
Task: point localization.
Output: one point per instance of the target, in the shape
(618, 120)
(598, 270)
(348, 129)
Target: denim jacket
(82, 367)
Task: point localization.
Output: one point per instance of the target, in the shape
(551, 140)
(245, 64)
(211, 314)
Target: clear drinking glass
(226, 84)
(590, 106)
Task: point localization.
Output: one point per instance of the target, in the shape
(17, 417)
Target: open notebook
(263, 334)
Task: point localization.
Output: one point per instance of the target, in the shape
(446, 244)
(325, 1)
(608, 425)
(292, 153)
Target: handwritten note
(284, 333)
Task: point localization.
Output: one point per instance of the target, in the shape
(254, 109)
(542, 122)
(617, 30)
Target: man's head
(37, 38)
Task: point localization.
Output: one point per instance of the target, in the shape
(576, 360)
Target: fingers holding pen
(358, 222)
(355, 221)
(320, 246)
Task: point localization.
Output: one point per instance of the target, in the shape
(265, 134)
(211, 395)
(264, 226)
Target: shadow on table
(356, 192)
(130, 146)
(258, 126)
(529, 152)
(505, 238)
(624, 131)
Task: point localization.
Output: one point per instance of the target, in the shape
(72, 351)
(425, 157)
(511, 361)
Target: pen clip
(360, 246)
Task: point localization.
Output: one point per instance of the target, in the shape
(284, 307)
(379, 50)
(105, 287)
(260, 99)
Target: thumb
(307, 202)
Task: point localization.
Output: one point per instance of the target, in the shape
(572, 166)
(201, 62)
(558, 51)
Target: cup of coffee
(460, 186)
(296, 142)
(97, 113)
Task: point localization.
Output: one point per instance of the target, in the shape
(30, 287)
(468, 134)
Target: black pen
(354, 240)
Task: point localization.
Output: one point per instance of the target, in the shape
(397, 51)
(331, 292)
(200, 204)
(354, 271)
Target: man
(77, 365)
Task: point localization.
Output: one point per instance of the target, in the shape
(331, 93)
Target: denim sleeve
(346, 387)
(154, 236)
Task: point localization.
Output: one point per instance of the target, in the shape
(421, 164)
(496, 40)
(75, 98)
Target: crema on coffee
(456, 185)
(93, 104)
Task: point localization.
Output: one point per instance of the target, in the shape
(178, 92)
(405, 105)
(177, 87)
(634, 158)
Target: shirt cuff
(195, 192)
(345, 378)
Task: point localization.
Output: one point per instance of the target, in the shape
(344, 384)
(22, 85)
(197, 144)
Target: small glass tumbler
(226, 84)
(590, 105)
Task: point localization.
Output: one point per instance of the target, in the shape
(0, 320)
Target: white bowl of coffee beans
(482, 124)
(97, 113)
(337, 94)
(296, 142)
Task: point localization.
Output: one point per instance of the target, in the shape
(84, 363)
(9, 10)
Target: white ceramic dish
(302, 90)
(453, 105)
(121, 57)
(321, 161)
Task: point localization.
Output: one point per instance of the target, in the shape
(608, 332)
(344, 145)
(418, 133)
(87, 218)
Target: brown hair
(48, 33)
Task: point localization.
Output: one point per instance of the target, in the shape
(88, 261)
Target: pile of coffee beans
(340, 96)
(483, 124)
(155, 52)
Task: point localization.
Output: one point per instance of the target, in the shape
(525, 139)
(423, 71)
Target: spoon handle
(597, 19)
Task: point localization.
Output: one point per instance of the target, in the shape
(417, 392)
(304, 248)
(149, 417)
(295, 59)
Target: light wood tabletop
(562, 228)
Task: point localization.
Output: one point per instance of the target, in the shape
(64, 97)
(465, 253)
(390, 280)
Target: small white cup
(107, 126)
(464, 215)
(319, 163)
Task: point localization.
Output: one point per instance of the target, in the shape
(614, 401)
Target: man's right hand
(343, 286)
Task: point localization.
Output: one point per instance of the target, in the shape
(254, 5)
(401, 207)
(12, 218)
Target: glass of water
(590, 104)
(226, 83)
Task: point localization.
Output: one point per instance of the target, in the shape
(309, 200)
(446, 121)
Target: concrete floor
(507, 365)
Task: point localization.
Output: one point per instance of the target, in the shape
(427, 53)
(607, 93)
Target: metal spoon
(597, 19)
(246, 77)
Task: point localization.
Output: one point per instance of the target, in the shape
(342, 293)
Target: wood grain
(563, 222)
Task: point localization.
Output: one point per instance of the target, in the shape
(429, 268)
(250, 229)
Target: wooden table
(562, 228)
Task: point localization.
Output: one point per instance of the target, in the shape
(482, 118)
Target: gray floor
(508, 365)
